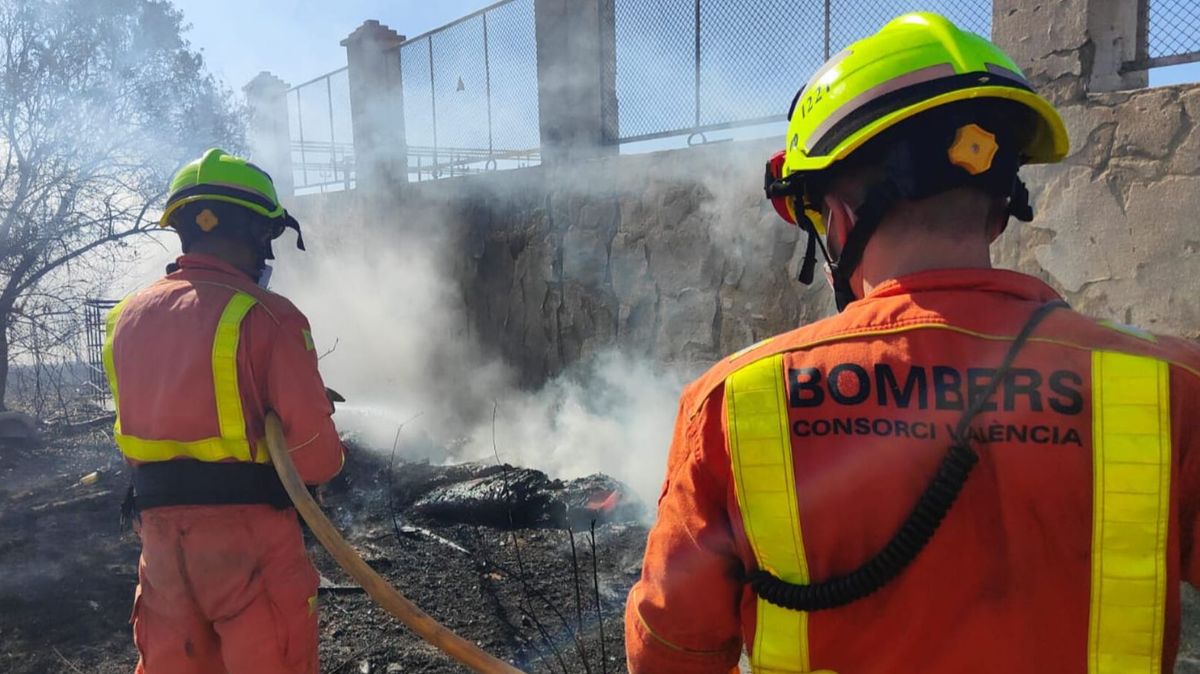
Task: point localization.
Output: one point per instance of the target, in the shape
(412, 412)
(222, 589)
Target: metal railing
(95, 312)
(690, 66)
(322, 134)
(1169, 34)
(471, 93)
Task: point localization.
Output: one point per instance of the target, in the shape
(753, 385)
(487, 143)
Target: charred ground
(486, 549)
(68, 567)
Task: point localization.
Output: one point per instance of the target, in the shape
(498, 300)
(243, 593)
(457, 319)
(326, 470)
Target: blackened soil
(68, 570)
(525, 594)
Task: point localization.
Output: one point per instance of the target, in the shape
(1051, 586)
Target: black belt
(188, 482)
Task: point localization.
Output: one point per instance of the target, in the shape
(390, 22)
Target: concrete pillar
(577, 98)
(269, 134)
(377, 107)
(1070, 47)
(1119, 33)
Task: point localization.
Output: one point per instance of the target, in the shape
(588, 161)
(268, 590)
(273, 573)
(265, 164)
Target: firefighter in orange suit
(195, 361)
(956, 473)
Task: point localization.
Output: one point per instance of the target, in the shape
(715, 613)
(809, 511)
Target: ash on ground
(501, 555)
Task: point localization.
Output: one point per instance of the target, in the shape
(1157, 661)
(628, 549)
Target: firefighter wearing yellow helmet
(956, 473)
(220, 196)
(195, 361)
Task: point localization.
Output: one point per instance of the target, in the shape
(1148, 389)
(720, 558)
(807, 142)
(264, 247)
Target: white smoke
(614, 415)
(388, 294)
(405, 356)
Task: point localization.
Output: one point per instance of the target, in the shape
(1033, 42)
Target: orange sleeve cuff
(649, 653)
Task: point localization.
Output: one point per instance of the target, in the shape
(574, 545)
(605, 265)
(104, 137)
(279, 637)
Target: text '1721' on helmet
(219, 190)
(934, 106)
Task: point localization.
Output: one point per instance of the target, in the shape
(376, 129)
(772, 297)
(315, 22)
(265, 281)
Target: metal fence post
(487, 77)
(697, 56)
(576, 99)
(269, 135)
(828, 11)
(433, 103)
(377, 107)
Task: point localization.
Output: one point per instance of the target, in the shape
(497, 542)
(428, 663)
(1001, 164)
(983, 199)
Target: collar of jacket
(1004, 281)
(202, 262)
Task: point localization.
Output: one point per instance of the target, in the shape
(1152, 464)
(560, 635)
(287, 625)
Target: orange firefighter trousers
(224, 589)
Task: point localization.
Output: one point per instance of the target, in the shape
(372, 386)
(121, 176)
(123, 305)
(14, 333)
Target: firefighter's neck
(238, 254)
(951, 231)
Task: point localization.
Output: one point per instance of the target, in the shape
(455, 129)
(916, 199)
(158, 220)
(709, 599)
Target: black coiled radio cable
(920, 525)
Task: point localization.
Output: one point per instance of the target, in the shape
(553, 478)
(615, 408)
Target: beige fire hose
(379, 589)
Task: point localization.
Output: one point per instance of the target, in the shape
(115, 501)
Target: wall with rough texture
(1118, 223)
(673, 256)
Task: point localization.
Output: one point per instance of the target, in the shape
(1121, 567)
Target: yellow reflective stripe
(1131, 429)
(208, 449)
(110, 368)
(225, 371)
(232, 444)
(760, 449)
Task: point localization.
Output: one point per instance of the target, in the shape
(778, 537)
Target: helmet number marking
(810, 101)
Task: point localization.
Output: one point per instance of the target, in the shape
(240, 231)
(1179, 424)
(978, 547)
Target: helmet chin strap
(880, 199)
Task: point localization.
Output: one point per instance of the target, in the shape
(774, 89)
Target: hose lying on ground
(379, 589)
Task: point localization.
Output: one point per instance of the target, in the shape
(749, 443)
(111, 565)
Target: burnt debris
(523, 498)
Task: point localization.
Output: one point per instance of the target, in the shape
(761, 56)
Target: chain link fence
(1172, 33)
(322, 134)
(471, 94)
(689, 66)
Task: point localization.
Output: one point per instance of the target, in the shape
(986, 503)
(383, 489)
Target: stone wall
(673, 255)
(676, 256)
(1118, 223)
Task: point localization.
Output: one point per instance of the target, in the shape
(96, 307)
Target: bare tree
(99, 103)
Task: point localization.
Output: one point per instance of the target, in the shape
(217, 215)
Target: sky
(298, 40)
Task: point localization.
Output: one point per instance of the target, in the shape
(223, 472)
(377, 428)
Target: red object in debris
(603, 501)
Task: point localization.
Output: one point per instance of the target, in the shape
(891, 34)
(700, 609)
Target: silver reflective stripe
(921, 76)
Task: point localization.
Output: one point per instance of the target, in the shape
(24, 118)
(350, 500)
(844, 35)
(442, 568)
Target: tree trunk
(3, 357)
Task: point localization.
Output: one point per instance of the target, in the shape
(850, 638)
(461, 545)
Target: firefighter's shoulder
(700, 390)
(278, 307)
(1079, 331)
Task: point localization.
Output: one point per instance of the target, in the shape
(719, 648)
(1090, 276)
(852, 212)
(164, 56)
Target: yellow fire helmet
(929, 91)
(221, 178)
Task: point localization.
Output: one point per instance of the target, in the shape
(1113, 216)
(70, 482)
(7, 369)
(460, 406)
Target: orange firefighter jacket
(1066, 546)
(197, 359)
